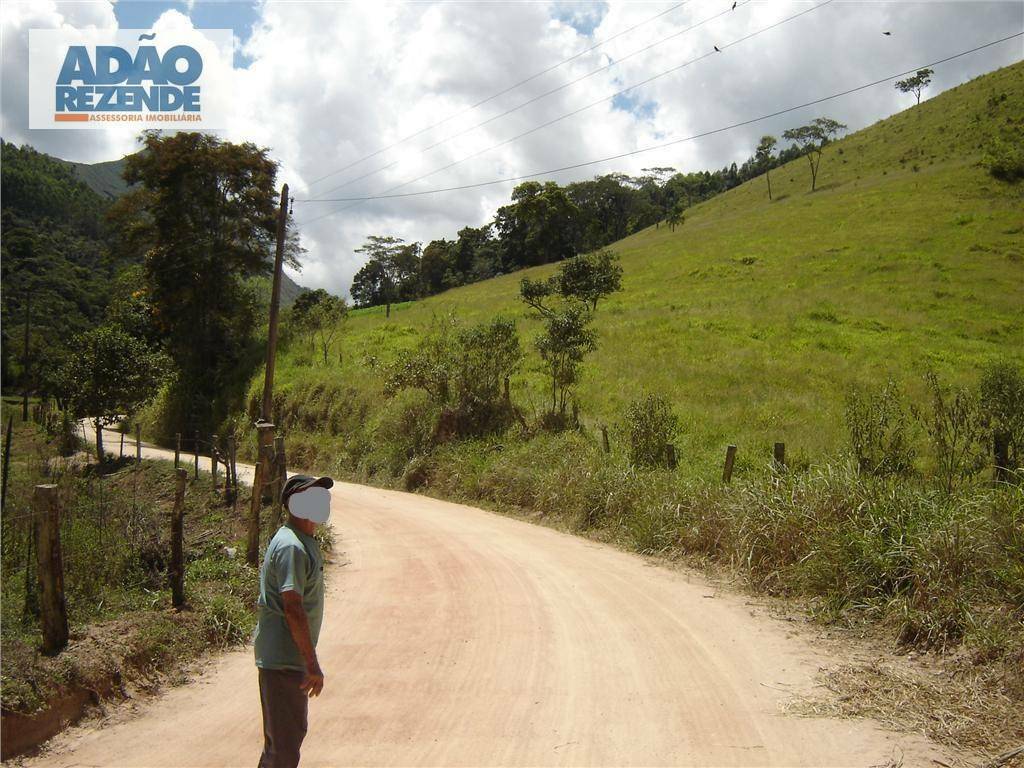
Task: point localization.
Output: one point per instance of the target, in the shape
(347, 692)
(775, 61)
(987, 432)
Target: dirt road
(454, 636)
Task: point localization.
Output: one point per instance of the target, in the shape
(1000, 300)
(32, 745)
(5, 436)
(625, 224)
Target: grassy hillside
(755, 316)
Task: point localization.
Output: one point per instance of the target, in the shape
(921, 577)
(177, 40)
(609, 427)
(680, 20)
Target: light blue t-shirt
(292, 563)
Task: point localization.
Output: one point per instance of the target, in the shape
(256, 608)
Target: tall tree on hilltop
(202, 212)
(764, 157)
(812, 140)
(536, 228)
(916, 84)
(391, 272)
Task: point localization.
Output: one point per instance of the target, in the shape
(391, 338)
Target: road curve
(454, 636)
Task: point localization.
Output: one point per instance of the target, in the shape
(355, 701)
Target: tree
(391, 272)
(326, 320)
(537, 228)
(675, 219)
(110, 374)
(202, 216)
(916, 84)
(434, 265)
(811, 140)
(764, 157)
(562, 344)
(320, 315)
(590, 277)
(368, 285)
(565, 340)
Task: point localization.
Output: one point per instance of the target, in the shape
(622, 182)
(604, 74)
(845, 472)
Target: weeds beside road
(115, 544)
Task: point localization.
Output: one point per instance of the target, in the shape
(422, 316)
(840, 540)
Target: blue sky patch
(239, 16)
(583, 17)
(635, 105)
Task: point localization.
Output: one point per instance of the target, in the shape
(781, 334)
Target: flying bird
(718, 49)
(887, 34)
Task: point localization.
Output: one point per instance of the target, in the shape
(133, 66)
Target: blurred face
(312, 504)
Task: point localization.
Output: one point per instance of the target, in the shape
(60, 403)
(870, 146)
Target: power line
(654, 147)
(540, 96)
(718, 49)
(512, 87)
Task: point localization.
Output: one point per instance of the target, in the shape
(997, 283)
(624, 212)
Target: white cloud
(330, 83)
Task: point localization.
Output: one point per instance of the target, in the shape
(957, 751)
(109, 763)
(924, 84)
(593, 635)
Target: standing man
(291, 608)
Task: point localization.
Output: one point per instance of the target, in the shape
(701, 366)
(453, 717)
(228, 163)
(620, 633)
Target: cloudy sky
(335, 91)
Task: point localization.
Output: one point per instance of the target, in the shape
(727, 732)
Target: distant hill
(754, 316)
(106, 178)
(53, 249)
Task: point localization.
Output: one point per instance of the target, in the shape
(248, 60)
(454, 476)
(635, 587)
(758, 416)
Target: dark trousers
(284, 717)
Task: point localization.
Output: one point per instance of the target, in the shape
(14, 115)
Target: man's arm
(298, 625)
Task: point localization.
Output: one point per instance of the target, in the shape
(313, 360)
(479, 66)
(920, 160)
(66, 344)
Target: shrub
(1002, 404)
(226, 620)
(956, 427)
(404, 428)
(879, 428)
(652, 425)
(1004, 159)
(463, 372)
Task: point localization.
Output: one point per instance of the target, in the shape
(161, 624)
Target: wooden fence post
(1001, 453)
(604, 439)
(120, 452)
(232, 470)
(46, 505)
(730, 460)
(265, 435)
(177, 449)
(280, 475)
(177, 571)
(779, 456)
(138, 443)
(195, 451)
(213, 460)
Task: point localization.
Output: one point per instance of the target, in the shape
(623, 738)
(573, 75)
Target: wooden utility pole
(138, 443)
(281, 476)
(275, 301)
(195, 453)
(24, 359)
(177, 536)
(265, 436)
(177, 449)
(51, 570)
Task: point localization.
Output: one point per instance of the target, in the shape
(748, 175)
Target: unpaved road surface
(454, 636)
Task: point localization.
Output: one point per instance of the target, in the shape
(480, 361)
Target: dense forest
(546, 222)
(55, 249)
